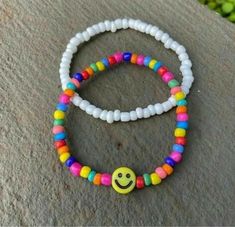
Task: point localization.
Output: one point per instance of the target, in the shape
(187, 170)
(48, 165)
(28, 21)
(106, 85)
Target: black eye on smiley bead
(120, 175)
(128, 175)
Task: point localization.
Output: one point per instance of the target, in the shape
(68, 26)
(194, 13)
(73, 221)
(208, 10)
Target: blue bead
(182, 124)
(71, 86)
(78, 76)
(157, 66)
(62, 107)
(60, 136)
(169, 161)
(147, 59)
(127, 56)
(91, 176)
(105, 62)
(70, 161)
(179, 148)
(181, 102)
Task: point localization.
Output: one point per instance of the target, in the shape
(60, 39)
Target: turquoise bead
(181, 102)
(71, 86)
(147, 179)
(91, 176)
(157, 66)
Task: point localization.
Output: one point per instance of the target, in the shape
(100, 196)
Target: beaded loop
(123, 179)
(113, 26)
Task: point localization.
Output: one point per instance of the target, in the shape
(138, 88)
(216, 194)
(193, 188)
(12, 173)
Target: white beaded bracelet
(116, 115)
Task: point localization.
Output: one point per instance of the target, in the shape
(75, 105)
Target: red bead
(85, 75)
(162, 70)
(139, 182)
(59, 143)
(112, 60)
(180, 140)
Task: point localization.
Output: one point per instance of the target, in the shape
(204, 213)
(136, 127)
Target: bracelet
(113, 26)
(119, 57)
(123, 179)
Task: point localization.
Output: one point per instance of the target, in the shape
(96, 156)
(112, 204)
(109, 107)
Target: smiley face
(123, 180)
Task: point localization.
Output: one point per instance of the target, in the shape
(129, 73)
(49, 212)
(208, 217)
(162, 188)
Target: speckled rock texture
(35, 189)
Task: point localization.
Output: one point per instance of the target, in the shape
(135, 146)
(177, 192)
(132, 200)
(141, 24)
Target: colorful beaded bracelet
(123, 179)
(113, 26)
(119, 57)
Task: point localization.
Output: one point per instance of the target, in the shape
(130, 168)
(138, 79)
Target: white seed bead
(110, 117)
(185, 89)
(77, 100)
(124, 23)
(117, 115)
(166, 106)
(118, 23)
(153, 31)
(172, 100)
(180, 49)
(187, 62)
(139, 112)
(148, 28)
(107, 25)
(102, 26)
(89, 109)
(96, 112)
(146, 113)
(133, 115)
(125, 116)
(103, 115)
(84, 104)
(91, 31)
(158, 35)
(164, 37)
(159, 108)
(152, 110)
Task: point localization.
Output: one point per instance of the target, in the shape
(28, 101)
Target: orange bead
(63, 149)
(97, 179)
(181, 109)
(90, 71)
(168, 169)
(134, 58)
(69, 92)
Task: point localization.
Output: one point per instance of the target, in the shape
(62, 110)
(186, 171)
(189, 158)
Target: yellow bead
(64, 157)
(123, 180)
(100, 66)
(58, 115)
(85, 171)
(155, 179)
(180, 132)
(152, 63)
(179, 95)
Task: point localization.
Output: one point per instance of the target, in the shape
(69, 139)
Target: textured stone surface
(36, 190)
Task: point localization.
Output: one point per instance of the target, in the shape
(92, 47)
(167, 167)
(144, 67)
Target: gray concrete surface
(36, 190)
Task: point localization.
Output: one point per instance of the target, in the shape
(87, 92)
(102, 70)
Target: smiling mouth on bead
(123, 187)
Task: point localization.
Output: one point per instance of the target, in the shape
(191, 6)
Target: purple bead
(70, 161)
(169, 161)
(78, 77)
(127, 56)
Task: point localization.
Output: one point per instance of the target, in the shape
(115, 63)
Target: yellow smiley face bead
(123, 180)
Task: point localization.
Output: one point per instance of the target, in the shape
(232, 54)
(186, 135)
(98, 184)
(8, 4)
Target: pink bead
(161, 172)
(64, 99)
(75, 82)
(106, 179)
(140, 60)
(118, 57)
(168, 76)
(176, 156)
(174, 90)
(57, 129)
(75, 168)
(182, 117)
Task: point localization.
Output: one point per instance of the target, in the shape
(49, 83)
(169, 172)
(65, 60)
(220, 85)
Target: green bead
(232, 1)
(227, 7)
(212, 5)
(94, 67)
(173, 83)
(147, 179)
(58, 122)
(232, 17)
